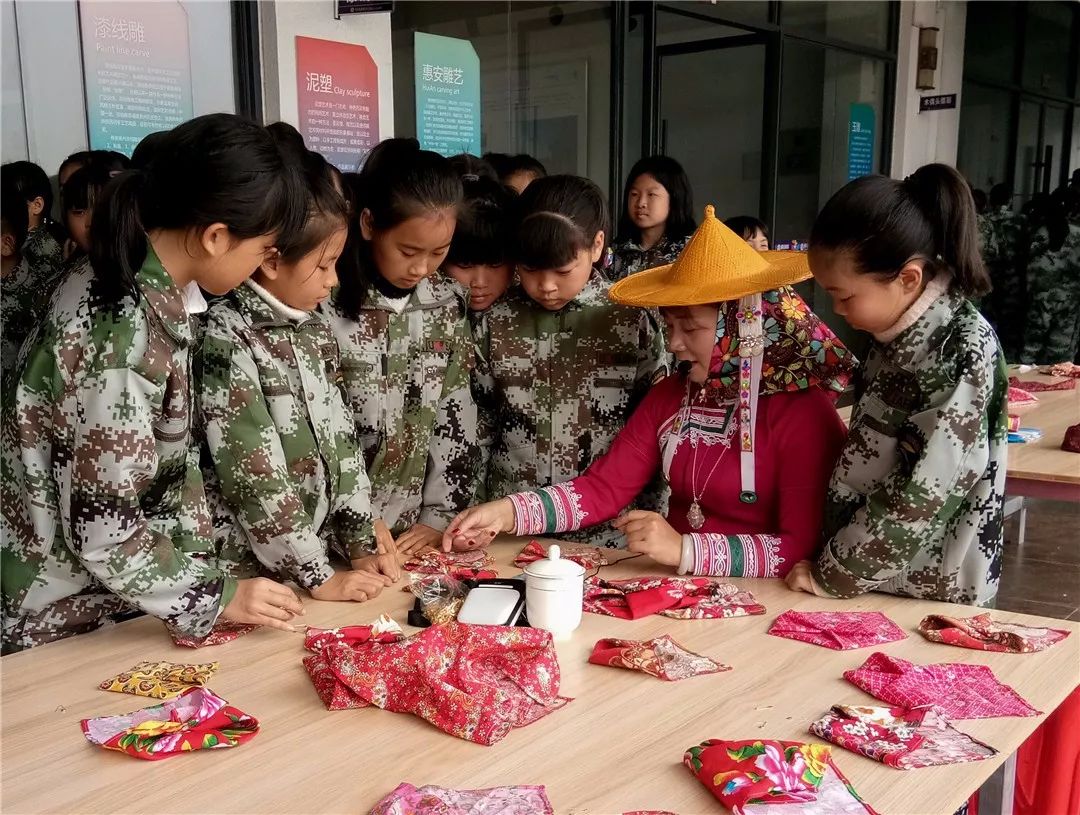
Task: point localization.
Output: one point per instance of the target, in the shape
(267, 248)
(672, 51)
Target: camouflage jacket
(628, 258)
(25, 295)
(556, 387)
(285, 464)
(1052, 330)
(407, 381)
(103, 504)
(914, 506)
(1002, 236)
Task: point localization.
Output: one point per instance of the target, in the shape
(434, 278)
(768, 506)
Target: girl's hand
(355, 586)
(477, 526)
(261, 601)
(648, 533)
(800, 579)
(387, 561)
(418, 538)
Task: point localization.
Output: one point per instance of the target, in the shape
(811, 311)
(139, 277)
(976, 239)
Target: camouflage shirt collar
(164, 297)
(594, 293)
(428, 293)
(916, 344)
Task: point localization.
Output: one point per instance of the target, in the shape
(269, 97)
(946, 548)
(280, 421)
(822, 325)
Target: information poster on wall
(447, 95)
(337, 93)
(860, 153)
(138, 70)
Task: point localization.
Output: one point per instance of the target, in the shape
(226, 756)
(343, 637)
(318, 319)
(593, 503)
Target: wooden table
(1041, 469)
(617, 747)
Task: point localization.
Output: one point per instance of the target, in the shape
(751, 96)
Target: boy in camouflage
(287, 475)
(406, 346)
(1052, 328)
(915, 504)
(102, 501)
(560, 367)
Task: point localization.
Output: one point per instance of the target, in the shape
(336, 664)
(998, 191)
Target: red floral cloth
(899, 737)
(800, 779)
(1018, 397)
(590, 557)
(839, 630)
(222, 633)
(436, 562)
(982, 633)
(662, 657)
(685, 598)
(961, 691)
(476, 682)
(432, 800)
(1070, 443)
(382, 630)
(1035, 386)
(1065, 369)
(197, 719)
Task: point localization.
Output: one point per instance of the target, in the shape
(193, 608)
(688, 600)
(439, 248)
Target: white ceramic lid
(554, 565)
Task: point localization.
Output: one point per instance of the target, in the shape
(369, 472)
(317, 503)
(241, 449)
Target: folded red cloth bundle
(197, 719)
(1065, 369)
(1071, 441)
(432, 800)
(983, 633)
(839, 630)
(1035, 386)
(591, 557)
(800, 779)
(1018, 397)
(662, 657)
(476, 682)
(436, 562)
(685, 598)
(899, 737)
(222, 633)
(961, 691)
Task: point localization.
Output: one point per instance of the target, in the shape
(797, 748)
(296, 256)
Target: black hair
(13, 211)
(218, 168)
(146, 149)
(287, 135)
(85, 185)
(399, 181)
(470, 167)
(1000, 195)
(482, 235)
(980, 199)
(671, 176)
(884, 223)
(28, 181)
(555, 218)
(522, 163)
(746, 225)
(79, 157)
(111, 160)
(1049, 212)
(499, 162)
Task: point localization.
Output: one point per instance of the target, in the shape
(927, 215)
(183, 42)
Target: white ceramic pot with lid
(554, 590)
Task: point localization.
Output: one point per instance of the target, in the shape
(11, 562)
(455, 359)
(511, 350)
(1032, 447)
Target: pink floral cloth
(590, 557)
(662, 657)
(961, 691)
(437, 562)
(839, 630)
(983, 633)
(1035, 386)
(684, 598)
(222, 633)
(432, 800)
(899, 737)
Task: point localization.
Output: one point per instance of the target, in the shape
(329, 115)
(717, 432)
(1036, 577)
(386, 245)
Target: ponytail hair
(883, 223)
(557, 217)
(218, 168)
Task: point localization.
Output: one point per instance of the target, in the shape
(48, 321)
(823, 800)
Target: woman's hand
(477, 526)
(418, 538)
(801, 579)
(355, 586)
(261, 601)
(648, 533)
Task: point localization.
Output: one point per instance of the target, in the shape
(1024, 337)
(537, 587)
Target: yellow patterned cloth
(160, 680)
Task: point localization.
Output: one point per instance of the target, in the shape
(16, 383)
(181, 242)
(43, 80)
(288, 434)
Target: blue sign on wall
(447, 95)
(860, 153)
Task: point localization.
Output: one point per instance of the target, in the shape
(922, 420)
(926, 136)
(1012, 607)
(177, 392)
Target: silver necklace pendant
(695, 516)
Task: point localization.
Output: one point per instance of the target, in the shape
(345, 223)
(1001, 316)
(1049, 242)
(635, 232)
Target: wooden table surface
(617, 747)
(1043, 460)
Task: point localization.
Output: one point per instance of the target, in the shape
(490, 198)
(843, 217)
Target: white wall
(922, 138)
(12, 118)
(283, 21)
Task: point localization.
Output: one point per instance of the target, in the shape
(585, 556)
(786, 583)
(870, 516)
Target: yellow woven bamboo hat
(715, 266)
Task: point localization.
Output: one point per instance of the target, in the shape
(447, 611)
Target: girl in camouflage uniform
(915, 504)
(287, 475)
(103, 505)
(406, 347)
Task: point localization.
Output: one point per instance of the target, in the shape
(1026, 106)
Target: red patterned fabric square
(839, 630)
(684, 598)
(982, 633)
(662, 657)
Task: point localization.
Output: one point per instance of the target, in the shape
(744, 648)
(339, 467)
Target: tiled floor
(1043, 576)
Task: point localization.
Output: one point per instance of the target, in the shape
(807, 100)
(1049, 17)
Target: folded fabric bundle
(961, 691)
(222, 633)
(1035, 386)
(197, 719)
(434, 561)
(1065, 369)
(383, 629)
(684, 598)
(982, 633)
(662, 657)
(591, 557)
(476, 682)
(432, 800)
(1070, 443)
(839, 630)
(899, 737)
(160, 680)
(765, 777)
(1018, 397)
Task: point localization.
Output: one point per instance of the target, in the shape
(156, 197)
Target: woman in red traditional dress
(746, 432)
